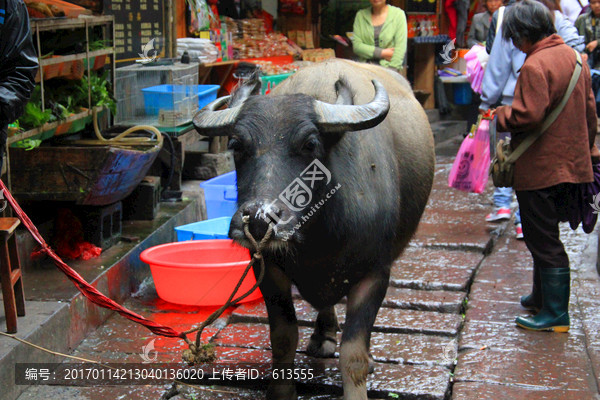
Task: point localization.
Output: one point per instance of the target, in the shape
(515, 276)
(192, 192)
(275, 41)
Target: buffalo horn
(343, 118)
(210, 122)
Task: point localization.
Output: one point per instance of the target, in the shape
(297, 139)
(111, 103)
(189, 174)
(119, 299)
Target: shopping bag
(476, 60)
(584, 203)
(469, 172)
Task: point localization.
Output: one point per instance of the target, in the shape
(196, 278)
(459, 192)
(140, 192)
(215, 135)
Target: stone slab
(443, 301)
(413, 349)
(472, 237)
(425, 277)
(439, 258)
(41, 321)
(387, 380)
(255, 336)
(385, 347)
(502, 353)
(138, 392)
(497, 391)
(388, 319)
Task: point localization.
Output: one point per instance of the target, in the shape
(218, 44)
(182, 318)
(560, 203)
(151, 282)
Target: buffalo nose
(258, 216)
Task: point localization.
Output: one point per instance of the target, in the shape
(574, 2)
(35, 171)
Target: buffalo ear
(249, 87)
(210, 121)
(344, 94)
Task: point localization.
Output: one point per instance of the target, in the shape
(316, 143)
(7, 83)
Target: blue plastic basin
(220, 194)
(216, 228)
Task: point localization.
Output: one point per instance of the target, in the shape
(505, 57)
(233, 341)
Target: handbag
(503, 164)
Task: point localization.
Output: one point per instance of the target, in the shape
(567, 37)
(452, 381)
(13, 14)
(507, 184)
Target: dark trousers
(541, 211)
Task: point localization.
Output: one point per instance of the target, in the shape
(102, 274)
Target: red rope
(85, 288)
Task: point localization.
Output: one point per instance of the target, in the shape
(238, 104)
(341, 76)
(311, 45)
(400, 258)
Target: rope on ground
(57, 353)
(90, 292)
(196, 353)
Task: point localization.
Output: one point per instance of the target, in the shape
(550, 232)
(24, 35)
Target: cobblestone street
(446, 330)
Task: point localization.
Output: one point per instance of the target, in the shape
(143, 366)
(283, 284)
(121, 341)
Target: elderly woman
(379, 35)
(480, 24)
(548, 170)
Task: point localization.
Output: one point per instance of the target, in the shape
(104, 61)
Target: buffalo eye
(234, 144)
(310, 145)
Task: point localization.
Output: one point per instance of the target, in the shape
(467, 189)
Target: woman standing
(380, 34)
(548, 170)
(481, 23)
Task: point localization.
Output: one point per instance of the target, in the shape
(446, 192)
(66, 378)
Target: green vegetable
(33, 116)
(27, 144)
(99, 44)
(100, 93)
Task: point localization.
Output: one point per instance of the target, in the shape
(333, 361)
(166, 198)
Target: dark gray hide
(360, 204)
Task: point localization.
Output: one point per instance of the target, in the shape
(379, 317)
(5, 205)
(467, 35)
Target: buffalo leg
(323, 341)
(276, 290)
(364, 301)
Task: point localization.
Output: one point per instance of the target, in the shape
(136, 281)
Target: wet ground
(446, 330)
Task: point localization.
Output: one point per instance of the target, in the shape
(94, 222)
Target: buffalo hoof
(280, 391)
(371, 364)
(321, 346)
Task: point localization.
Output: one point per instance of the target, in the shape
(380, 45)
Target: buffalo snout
(258, 215)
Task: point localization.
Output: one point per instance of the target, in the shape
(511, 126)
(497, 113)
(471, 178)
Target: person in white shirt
(572, 8)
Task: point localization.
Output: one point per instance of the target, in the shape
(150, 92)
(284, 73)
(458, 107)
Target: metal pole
(87, 53)
(39, 49)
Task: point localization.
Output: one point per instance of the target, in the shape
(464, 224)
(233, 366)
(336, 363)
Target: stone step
(444, 130)
(433, 115)
(449, 147)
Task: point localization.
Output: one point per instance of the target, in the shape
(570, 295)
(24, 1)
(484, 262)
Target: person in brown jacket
(560, 158)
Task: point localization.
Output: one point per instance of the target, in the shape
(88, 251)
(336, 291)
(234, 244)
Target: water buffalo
(339, 159)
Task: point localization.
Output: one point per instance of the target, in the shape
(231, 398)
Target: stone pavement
(446, 330)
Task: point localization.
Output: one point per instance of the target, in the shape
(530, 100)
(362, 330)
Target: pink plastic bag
(476, 60)
(470, 170)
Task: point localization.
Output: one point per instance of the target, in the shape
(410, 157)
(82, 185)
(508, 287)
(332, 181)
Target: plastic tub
(168, 97)
(200, 272)
(268, 82)
(220, 194)
(216, 228)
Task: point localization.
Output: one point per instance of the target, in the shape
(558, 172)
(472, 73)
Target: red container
(200, 272)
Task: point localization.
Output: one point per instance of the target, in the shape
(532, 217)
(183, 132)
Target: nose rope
(198, 353)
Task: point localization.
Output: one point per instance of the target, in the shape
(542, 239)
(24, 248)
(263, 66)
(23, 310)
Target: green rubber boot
(554, 314)
(533, 301)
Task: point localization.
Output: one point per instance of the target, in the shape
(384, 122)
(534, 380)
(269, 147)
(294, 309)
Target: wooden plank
(49, 126)
(73, 57)
(424, 71)
(51, 24)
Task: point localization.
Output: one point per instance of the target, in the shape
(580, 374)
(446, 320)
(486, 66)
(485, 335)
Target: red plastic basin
(200, 272)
